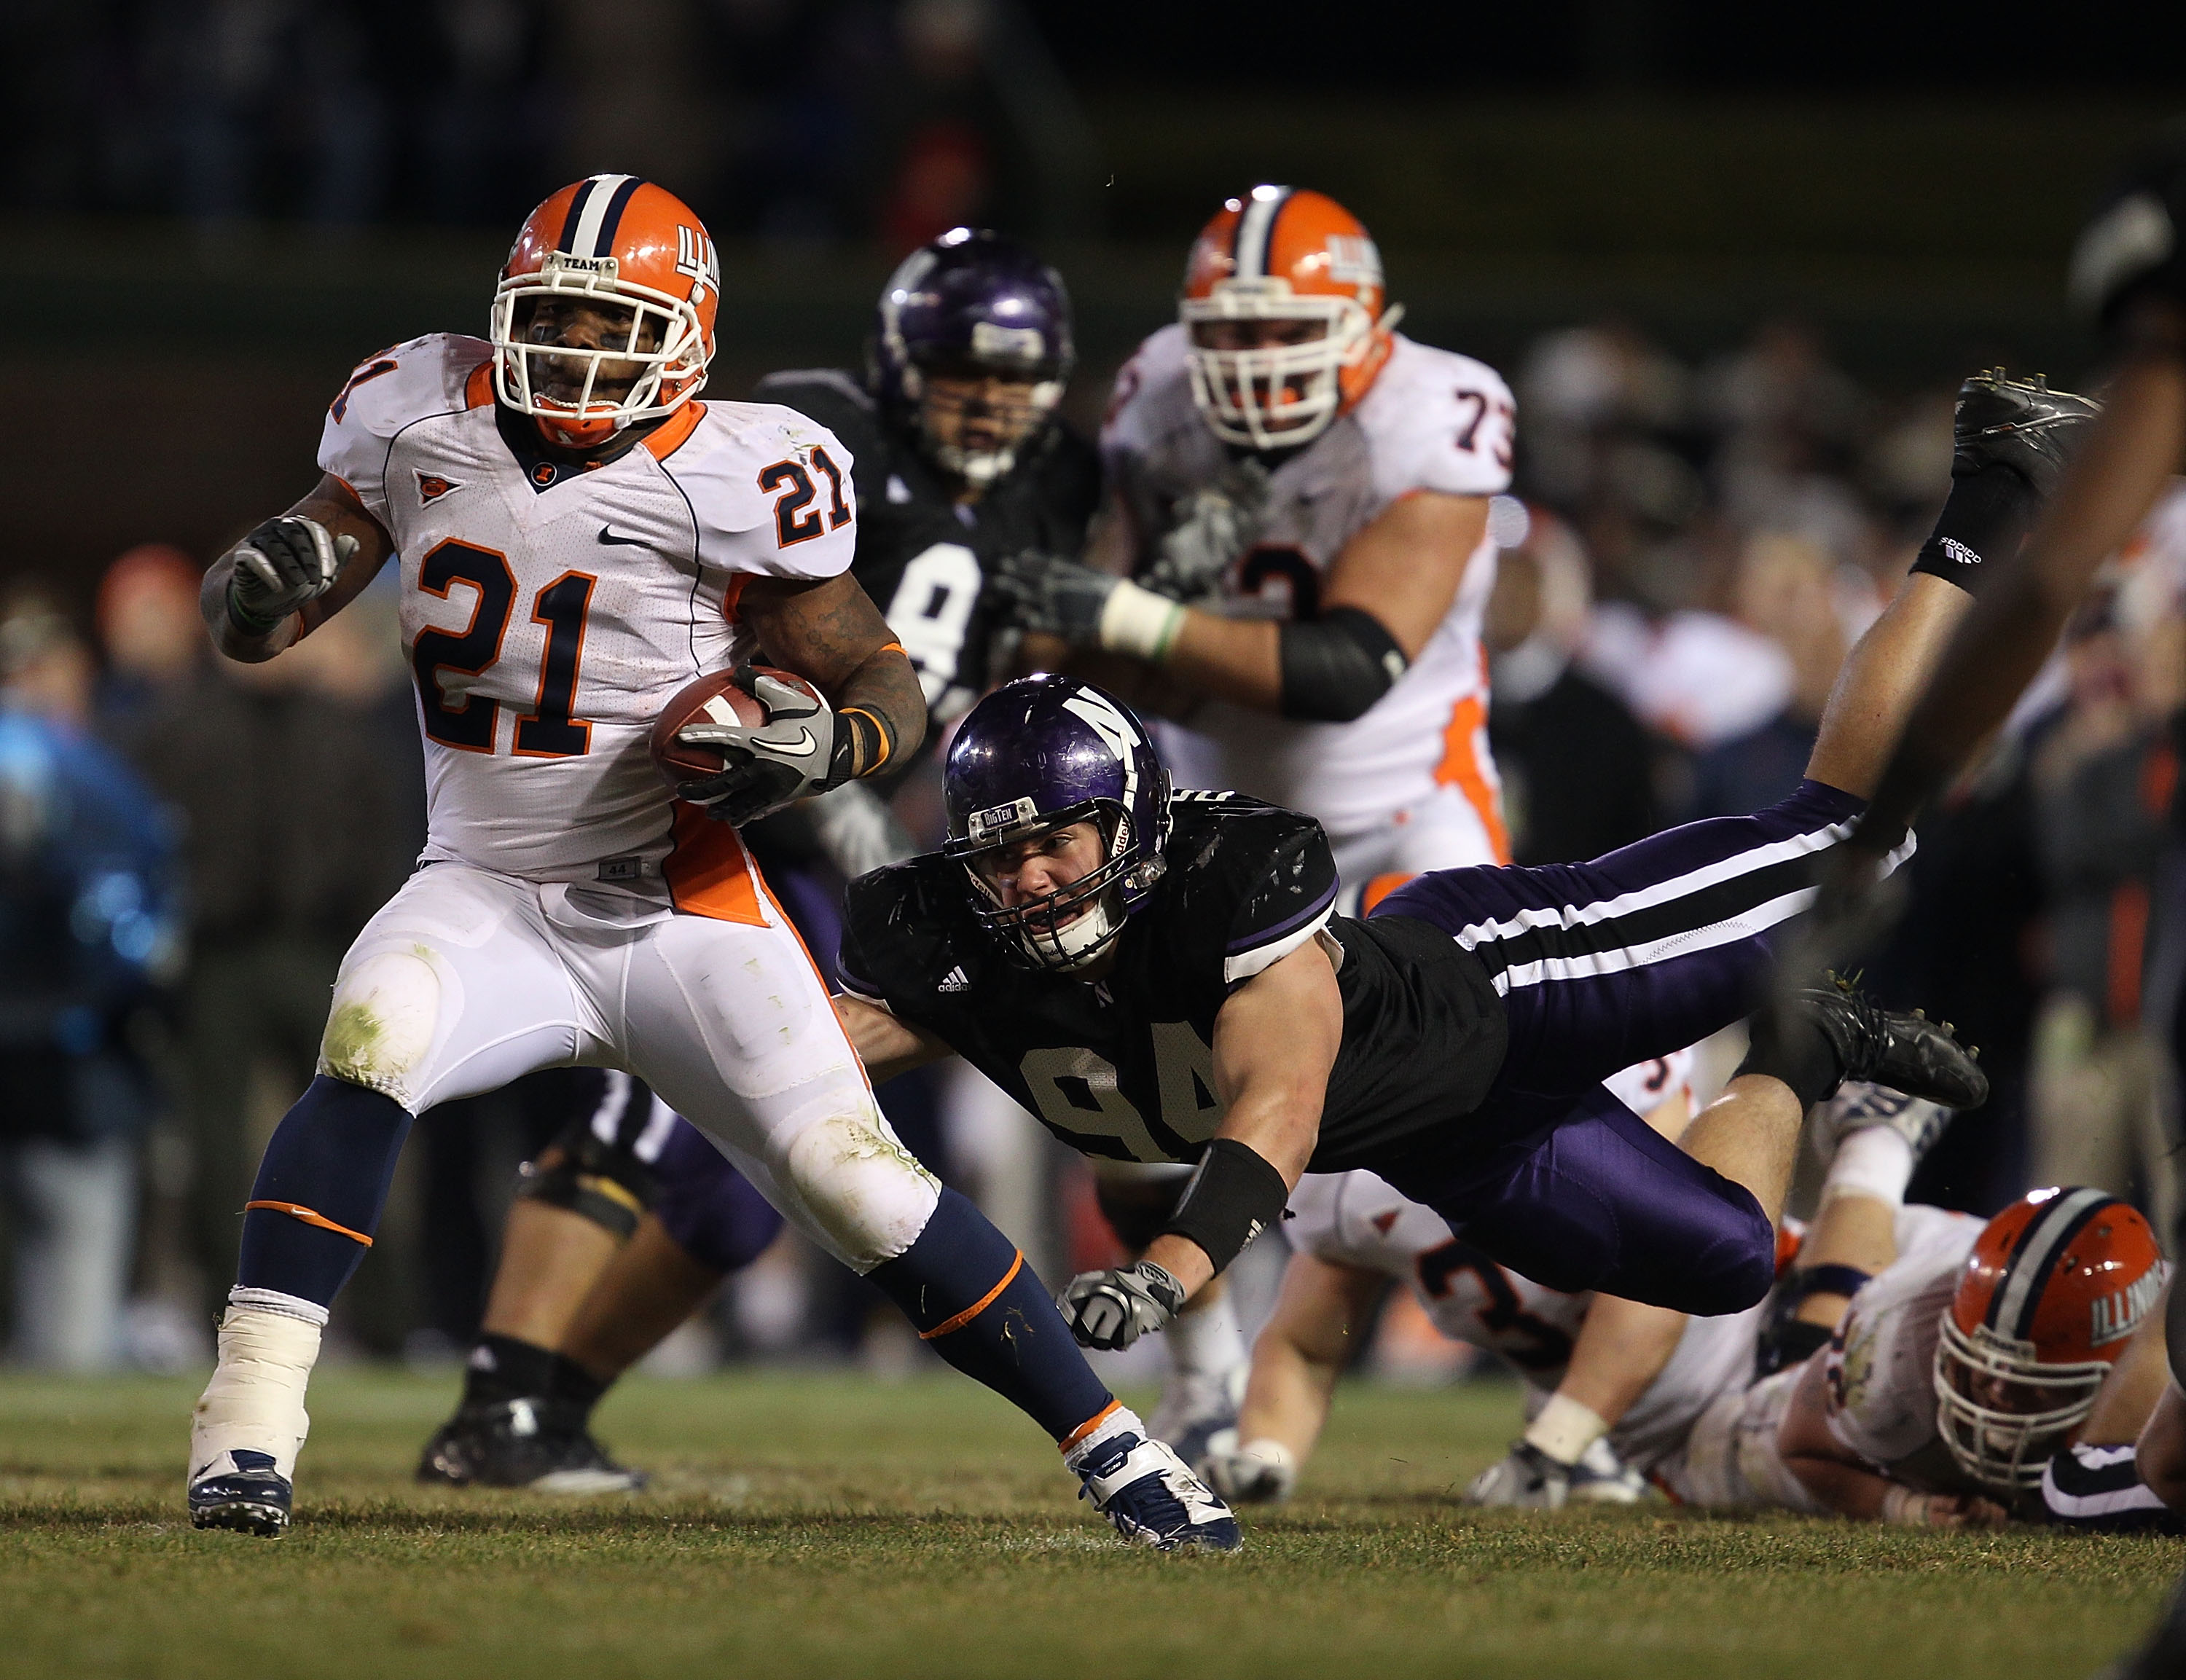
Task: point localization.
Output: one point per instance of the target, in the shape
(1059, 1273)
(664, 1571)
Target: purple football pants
(1599, 965)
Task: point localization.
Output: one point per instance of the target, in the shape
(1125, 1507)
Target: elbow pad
(1336, 666)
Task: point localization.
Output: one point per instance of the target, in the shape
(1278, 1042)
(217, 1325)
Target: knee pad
(1137, 1208)
(868, 1196)
(380, 1029)
(600, 1180)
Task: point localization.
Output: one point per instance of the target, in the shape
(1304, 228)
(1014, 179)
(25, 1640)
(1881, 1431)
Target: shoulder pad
(440, 373)
(1260, 875)
(1437, 421)
(771, 489)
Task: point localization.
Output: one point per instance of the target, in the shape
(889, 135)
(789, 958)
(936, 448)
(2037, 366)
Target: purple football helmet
(1036, 755)
(972, 305)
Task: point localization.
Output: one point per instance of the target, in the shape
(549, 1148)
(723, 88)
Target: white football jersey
(550, 613)
(1356, 1219)
(1881, 1397)
(1431, 421)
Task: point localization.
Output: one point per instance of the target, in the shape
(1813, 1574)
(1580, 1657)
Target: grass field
(830, 1525)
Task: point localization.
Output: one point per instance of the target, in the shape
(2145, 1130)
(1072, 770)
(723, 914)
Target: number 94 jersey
(550, 609)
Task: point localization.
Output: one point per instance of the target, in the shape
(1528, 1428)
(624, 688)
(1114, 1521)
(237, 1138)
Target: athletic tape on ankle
(273, 1301)
(1874, 1161)
(1566, 1429)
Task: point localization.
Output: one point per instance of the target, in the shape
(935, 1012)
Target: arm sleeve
(386, 392)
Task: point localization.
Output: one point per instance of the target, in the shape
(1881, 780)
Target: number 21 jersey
(551, 608)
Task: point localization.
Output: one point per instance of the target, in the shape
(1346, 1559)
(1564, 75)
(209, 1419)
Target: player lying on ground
(1353, 1236)
(578, 540)
(959, 460)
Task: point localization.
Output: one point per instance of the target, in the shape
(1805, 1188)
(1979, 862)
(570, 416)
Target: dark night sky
(2023, 46)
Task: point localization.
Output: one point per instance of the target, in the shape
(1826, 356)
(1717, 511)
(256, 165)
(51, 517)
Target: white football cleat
(1153, 1497)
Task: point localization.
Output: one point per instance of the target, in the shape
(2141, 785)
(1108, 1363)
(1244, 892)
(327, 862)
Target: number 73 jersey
(550, 609)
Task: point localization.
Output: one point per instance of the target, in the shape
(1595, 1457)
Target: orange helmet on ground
(1282, 256)
(637, 253)
(2054, 1288)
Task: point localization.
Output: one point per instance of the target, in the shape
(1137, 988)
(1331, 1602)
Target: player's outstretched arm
(1836, 1477)
(1388, 590)
(831, 633)
(886, 1045)
(1275, 1041)
(293, 572)
(1311, 1336)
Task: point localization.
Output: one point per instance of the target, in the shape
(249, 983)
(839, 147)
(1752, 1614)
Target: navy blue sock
(320, 1191)
(968, 1291)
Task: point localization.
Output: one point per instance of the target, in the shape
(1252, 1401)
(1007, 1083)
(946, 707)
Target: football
(712, 699)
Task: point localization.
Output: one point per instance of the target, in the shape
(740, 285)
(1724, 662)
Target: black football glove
(798, 750)
(283, 563)
(1111, 1310)
(1052, 595)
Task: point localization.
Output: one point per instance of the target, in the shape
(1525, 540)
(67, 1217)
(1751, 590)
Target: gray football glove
(797, 751)
(1050, 595)
(283, 563)
(1110, 1310)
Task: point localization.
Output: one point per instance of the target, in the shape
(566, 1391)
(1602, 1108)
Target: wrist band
(1235, 1195)
(1566, 1429)
(1138, 622)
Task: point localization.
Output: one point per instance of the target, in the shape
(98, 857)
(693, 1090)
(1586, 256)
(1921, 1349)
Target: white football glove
(286, 561)
(1110, 1310)
(1261, 1472)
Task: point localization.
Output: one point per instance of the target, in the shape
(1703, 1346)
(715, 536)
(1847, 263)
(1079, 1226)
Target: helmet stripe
(2041, 1245)
(611, 218)
(1256, 230)
(588, 212)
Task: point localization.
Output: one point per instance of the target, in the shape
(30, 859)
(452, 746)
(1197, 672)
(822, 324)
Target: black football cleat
(244, 1495)
(1905, 1052)
(2018, 424)
(538, 1443)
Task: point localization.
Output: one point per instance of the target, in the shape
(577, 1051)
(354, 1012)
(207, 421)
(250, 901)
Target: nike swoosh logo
(802, 745)
(609, 537)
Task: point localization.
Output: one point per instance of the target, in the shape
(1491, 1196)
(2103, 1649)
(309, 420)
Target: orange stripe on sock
(978, 1306)
(297, 1210)
(1090, 1424)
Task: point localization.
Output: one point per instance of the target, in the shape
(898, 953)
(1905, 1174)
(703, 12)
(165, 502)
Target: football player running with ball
(617, 1235)
(579, 539)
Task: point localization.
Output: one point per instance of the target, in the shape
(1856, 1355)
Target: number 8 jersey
(551, 607)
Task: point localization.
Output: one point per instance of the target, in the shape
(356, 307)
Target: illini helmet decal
(1284, 310)
(604, 316)
(2055, 1286)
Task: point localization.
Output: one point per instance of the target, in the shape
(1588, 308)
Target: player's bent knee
(870, 1195)
(380, 1029)
(597, 1179)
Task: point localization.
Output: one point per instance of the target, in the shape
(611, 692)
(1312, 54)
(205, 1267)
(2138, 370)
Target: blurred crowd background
(1732, 269)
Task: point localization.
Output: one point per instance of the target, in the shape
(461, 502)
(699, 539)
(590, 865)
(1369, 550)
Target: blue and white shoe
(1153, 1499)
(242, 1492)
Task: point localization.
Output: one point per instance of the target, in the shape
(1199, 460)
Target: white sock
(1566, 1429)
(1207, 1342)
(1874, 1160)
(268, 1344)
(1115, 1423)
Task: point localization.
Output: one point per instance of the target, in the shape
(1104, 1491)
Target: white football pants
(467, 979)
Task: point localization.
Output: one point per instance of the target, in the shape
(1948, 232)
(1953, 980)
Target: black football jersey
(922, 556)
(1125, 1067)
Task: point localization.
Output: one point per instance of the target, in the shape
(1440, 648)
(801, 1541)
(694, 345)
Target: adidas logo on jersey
(955, 980)
(431, 487)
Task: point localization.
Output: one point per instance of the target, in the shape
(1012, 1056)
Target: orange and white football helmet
(2053, 1289)
(634, 249)
(1281, 255)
